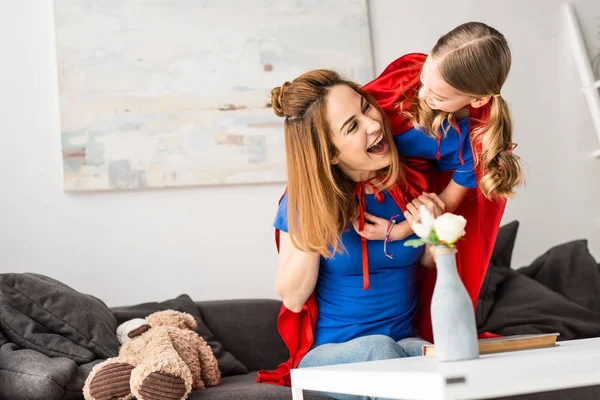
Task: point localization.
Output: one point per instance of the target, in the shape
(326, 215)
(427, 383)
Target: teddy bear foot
(112, 382)
(161, 386)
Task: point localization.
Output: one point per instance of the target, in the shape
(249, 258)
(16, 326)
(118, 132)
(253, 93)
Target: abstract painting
(164, 93)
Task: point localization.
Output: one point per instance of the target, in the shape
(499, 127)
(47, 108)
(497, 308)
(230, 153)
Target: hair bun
(277, 95)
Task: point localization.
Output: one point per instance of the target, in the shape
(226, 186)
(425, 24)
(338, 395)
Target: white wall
(123, 247)
(217, 242)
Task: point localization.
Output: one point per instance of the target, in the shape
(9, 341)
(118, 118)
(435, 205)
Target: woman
(340, 149)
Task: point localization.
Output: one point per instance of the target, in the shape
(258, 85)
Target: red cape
(474, 251)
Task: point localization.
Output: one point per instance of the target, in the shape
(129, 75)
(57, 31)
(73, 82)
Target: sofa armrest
(28, 375)
(247, 329)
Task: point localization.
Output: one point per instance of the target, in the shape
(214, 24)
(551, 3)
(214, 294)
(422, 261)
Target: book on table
(507, 343)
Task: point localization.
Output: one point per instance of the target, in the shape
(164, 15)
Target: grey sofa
(248, 330)
(51, 336)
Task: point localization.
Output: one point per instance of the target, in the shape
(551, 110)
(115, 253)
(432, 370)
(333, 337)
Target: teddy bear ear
(189, 321)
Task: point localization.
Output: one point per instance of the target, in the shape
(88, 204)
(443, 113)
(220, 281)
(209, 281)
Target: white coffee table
(570, 364)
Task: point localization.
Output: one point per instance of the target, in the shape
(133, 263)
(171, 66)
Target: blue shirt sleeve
(450, 149)
(415, 143)
(281, 219)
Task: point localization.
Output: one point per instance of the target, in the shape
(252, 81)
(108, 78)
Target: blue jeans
(366, 348)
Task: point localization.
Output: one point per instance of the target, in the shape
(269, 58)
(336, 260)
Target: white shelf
(584, 66)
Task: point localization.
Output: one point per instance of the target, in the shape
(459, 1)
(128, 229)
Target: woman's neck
(359, 175)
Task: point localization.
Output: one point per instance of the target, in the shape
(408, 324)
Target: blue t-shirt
(415, 143)
(346, 310)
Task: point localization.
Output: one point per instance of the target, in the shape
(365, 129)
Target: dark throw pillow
(505, 244)
(501, 258)
(40, 313)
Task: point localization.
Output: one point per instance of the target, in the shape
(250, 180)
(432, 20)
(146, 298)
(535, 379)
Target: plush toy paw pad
(159, 386)
(111, 382)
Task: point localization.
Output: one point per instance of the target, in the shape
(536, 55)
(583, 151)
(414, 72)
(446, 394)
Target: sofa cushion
(228, 364)
(43, 314)
(244, 387)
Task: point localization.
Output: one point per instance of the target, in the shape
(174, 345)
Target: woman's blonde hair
(321, 202)
(475, 59)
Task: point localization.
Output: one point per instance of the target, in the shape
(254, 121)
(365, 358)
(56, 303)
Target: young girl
(448, 107)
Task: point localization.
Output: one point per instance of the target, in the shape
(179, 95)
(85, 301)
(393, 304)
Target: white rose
(423, 229)
(449, 227)
(426, 217)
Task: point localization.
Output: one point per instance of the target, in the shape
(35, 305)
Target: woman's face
(357, 133)
(437, 93)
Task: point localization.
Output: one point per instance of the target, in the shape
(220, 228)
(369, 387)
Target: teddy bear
(161, 357)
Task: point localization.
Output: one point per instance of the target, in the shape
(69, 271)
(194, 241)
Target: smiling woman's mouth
(379, 146)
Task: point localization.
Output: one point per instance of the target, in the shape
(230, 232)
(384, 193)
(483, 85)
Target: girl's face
(439, 95)
(357, 133)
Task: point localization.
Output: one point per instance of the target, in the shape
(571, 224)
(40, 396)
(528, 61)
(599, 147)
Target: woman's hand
(431, 201)
(375, 227)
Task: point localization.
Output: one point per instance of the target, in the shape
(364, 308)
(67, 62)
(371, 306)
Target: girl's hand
(427, 259)
(375, 227)
(432, 201)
